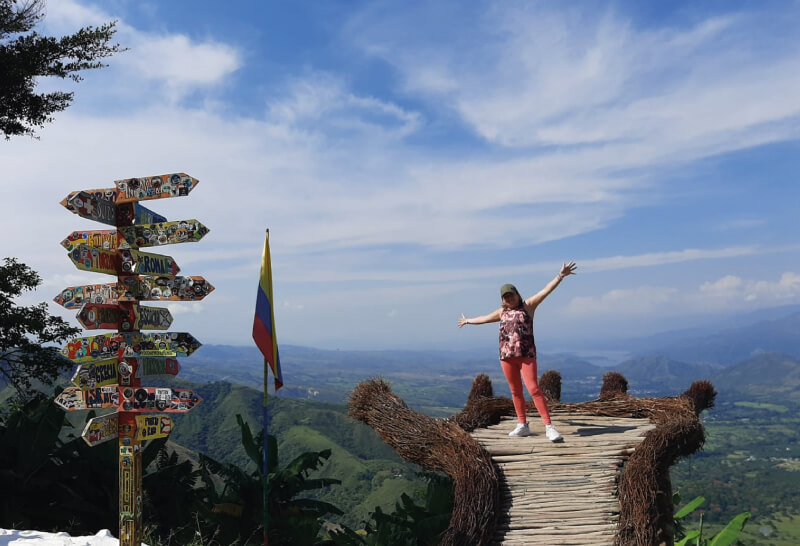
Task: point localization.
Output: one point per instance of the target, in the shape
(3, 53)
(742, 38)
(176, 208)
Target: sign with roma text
(122, 262)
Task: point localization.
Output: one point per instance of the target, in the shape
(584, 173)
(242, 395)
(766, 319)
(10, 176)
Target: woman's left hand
(568, 269)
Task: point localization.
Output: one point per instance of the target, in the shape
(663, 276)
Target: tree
(24, 330)
(26, 56)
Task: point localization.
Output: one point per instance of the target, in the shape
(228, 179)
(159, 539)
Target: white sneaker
(552, 434)
(521, 430)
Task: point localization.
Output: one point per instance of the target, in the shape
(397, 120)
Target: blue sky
(409, 158)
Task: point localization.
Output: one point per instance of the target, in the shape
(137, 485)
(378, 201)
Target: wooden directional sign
(124, 262)
(143, 263)
(97, 374)
(136, 288)
(155, 365)
(150, 427)
(94, 348)
(154, 187)
(74, 297)
(152, 288)
(100, 316)
(130, 368)
(95, 259)
(166, 233)
(157, 400)
(107, 239)
(130, 344)
(95, 208)
(109, 194)
(101, 429)
(75, 399)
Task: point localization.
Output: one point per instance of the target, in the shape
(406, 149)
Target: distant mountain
(570, 367)
(728, 347)
(767, 376)
(661, 375)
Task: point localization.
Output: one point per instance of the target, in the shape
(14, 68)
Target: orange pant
(525, 366)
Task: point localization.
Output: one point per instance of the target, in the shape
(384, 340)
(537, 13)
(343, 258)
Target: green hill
(660, 375)
(768, 377)
(372, 474)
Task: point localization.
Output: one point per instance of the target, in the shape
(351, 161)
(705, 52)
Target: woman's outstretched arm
(485, 319)
(566, 269)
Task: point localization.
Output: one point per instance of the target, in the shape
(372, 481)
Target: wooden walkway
(562, 493)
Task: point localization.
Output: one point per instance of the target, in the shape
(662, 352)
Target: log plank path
(561, 493)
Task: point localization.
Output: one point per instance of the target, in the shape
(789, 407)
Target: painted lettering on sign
(94, 259)
(96, 374)
(153, 318)
(150, 365)
(149, 427)
(103, 239)
(101, 429)
(99, 316)
(94, 207)
(104, 397)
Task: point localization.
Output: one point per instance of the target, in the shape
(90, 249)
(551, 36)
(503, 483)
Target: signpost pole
(140, 276)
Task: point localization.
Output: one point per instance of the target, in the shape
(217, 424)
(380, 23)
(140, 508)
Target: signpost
(136, 288)
(111, 366)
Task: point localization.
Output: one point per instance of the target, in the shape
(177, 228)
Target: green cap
(508, 288)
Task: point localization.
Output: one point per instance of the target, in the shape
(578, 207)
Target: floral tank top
(516, 334)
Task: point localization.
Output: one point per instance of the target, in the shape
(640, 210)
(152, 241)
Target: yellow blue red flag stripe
(264, 323)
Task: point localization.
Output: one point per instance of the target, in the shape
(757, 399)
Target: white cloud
(182, 308)
(731, 291)
(533, 76)
(621, 302)
(179, 63)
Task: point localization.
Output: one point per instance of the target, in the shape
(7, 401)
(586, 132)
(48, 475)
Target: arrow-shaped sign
(124, 262)
(145, 366)
(154, 187)
(150, 427)
(75, 399)
(100, 316)
(158, 400)
(107, 239)
(101, 429)
(132, 289)
(131, 344)
(95, 208)
(166, 233)
(109, 194)
(92, 375)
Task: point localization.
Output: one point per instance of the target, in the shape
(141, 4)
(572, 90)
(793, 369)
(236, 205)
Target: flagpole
(265, 477)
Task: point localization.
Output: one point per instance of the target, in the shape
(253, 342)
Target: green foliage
(23, 331)
(409, 524)
(726, 537)
(26, 56)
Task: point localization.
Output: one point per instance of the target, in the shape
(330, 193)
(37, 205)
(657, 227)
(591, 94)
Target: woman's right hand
(462, 321)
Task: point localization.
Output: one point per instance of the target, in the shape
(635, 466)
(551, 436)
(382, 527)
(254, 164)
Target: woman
(518, 349)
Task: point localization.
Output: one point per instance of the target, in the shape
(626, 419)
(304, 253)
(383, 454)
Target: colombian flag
(264, 323)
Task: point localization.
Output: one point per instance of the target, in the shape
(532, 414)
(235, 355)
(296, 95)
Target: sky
(409, 158)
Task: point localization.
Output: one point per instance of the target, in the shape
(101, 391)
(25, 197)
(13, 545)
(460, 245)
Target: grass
(762, 405)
